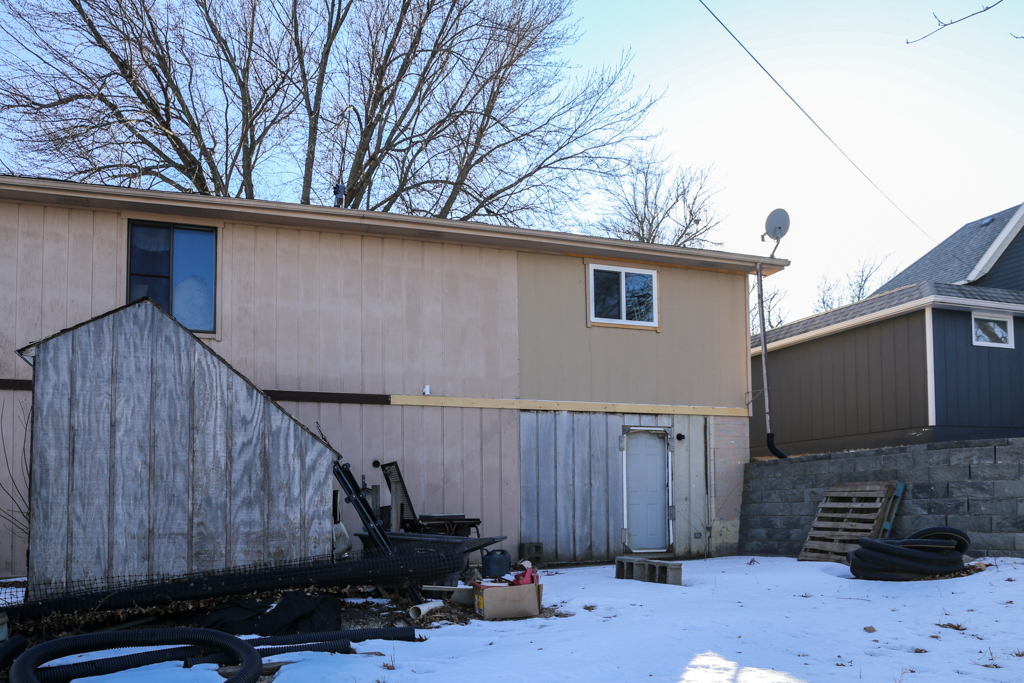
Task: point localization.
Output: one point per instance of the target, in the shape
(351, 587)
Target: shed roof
(72, 194)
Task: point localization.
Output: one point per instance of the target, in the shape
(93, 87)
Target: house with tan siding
(588, 394)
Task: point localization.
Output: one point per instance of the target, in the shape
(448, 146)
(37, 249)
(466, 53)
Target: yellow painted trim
(569, 406)
(621, 326)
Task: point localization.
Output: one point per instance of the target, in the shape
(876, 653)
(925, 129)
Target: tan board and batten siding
(702, 314)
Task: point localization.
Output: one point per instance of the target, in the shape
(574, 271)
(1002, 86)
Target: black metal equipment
(355, 496)
(455, 524)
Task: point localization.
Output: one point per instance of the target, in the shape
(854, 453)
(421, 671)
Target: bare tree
(458, 109)
(462, 109)
(190, 94)
(774, 313)
(656, 203)
(834, 292)
(315, 27)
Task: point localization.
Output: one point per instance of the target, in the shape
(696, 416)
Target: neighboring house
(584, 393)
(936, 354)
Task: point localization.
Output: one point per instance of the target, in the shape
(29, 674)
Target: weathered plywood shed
(152, 456)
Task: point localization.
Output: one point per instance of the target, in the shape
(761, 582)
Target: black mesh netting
(407, 564)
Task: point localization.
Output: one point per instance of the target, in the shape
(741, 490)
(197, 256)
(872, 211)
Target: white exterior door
(647, 491)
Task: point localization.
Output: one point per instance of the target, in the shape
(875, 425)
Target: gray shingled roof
(955, 257)
(889, 299)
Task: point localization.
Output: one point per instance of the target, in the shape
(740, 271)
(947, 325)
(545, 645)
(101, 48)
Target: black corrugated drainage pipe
(11, 648)
(24, 669)
(773, 448)
(99, 667)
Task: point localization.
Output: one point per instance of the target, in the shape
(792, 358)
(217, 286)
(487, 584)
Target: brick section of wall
(975, 486)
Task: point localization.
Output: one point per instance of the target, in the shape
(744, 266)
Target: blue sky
(938, 125)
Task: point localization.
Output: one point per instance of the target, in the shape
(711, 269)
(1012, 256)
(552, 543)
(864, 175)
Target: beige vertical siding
(58, 267)
(453, 459)
(320, 311)
(699, 358)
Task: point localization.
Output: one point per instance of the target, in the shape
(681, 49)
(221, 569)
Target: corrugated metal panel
(571, 481)
(152, 456)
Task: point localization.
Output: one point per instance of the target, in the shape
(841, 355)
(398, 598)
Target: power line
(829, 138)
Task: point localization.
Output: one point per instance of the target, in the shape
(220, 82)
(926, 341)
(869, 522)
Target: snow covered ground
(775, 620)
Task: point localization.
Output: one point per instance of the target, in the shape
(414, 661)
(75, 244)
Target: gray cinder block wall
(975, 486)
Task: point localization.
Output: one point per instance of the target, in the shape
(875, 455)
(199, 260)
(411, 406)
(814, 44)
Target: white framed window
(992, 330)
(623, 296)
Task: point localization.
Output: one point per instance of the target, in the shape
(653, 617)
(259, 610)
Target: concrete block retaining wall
(975, 486)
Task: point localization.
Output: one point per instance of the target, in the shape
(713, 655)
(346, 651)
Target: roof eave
(997, 247)
(103, 197)
(931, 301)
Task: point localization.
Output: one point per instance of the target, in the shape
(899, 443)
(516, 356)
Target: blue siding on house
(976, 386)
(1008, 271)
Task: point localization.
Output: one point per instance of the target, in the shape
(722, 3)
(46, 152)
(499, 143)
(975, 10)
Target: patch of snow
(776, 621)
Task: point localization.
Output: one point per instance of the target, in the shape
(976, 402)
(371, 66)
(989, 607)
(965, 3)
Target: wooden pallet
(848, 512)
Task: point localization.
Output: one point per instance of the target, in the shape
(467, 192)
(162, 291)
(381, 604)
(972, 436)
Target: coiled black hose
(99, 667)
(339, 646)
(935, 551)
(11, 648)
(24, 669)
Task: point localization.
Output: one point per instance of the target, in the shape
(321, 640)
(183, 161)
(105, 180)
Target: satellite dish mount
(775, 228)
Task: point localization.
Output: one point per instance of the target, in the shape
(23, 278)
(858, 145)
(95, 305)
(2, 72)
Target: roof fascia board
(908, 307)
(998, 246)
(261, 212)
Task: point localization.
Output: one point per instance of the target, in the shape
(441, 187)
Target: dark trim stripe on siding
(275, 394)
(327, 397)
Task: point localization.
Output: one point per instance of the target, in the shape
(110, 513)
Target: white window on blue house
(176, 267)
(992, 330)
(623, 296)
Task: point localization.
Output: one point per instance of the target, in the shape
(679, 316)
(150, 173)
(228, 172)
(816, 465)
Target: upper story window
(175, 266)
(623, 296)
(992, 330)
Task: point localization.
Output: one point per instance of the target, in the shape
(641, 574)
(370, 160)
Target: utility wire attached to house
(829, 138)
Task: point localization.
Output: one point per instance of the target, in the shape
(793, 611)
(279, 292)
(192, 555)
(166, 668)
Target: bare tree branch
(834, 292)
(774, 313)
(944, 24)
(654, 203)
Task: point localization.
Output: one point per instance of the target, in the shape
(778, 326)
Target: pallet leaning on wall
(848, 512)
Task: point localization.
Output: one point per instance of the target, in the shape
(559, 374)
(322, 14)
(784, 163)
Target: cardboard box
(508, 602)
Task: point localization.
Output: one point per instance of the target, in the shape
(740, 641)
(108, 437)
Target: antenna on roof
(775, 228)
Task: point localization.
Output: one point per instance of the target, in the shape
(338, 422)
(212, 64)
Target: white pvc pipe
(417, 611)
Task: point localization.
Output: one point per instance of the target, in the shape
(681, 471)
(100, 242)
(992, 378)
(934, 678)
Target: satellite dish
(777, 224)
